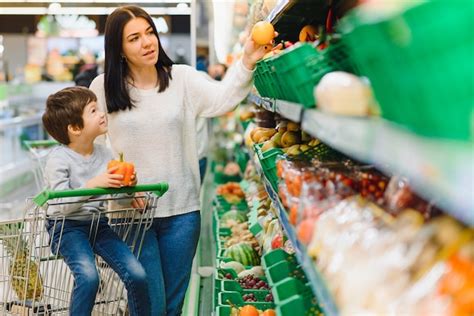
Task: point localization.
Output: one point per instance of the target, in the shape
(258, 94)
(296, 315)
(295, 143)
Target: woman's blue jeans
(167, 255)
(78, 251)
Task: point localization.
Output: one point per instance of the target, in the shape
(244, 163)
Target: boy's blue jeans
(167, 256)
(78, 251)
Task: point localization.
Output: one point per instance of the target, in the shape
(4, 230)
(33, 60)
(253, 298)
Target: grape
(228, 276)
(269, 297)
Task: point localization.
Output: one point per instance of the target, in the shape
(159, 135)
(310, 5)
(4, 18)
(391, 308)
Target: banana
(314, 142)
(304, 147)
(294, 150)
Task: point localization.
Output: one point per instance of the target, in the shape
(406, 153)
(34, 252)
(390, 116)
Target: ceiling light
(54, 8)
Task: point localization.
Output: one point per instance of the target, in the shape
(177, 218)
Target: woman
(152, 109)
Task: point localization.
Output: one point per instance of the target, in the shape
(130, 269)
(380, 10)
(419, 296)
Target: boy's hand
(106, 180)
(134, 179)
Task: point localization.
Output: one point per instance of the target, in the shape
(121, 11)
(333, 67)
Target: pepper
(126, 169)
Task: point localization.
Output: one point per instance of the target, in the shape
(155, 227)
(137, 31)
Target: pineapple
(24, 272)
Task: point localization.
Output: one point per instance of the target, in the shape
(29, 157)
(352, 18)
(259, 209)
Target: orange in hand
(126, 169)
(263, 33)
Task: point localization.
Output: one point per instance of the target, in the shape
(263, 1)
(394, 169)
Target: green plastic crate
(265, 79)
(254, 226)
(284, 269)
(234, 286)
(421, 81)
(296, 68)
(293, 74)
(289, 287)
(276, 256)
(236, 299)
(301, 67)
(299, 305)
(268, 162)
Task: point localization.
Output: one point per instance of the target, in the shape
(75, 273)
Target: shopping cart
(39, 150)
(36, 281)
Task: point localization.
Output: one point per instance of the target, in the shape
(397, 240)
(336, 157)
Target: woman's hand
(253, 52)
(106, 180)
(139, 201)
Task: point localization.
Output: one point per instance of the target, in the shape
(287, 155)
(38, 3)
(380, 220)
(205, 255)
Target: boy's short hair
(65, 108)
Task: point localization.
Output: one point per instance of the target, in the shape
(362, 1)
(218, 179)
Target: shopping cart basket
(35, 281)
(39, 150)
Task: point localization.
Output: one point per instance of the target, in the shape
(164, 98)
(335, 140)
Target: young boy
(73, 119)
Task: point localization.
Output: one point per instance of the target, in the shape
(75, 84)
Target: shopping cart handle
(39, 143)
(158, 189)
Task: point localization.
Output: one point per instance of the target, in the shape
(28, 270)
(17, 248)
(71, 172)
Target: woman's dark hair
(116, 68)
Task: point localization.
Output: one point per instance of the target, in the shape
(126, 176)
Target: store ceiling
(94, 7)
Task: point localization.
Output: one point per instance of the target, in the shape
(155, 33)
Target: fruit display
(287, 135)
(241, 234)
(397, 256)
(360, 239)
(235, 217)
(249, 310)
(231, 192)
(252, 282)
(399, 196)
(244, 253)
(231, 169)
(457, 283)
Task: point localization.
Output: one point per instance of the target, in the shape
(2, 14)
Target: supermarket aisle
(342, 185)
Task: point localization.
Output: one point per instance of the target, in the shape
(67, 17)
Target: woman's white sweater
(159, 134)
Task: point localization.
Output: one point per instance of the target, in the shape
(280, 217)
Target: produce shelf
(439, 170)
(265, 103)
(289, 16)
(279, 11)
(290, 110)
(318, 284)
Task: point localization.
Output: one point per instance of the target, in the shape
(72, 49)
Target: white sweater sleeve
(210, 98)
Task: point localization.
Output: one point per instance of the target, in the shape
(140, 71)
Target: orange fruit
(248, 310)
(305, 230)
(308, 34)
(269, 312)
(263, 32)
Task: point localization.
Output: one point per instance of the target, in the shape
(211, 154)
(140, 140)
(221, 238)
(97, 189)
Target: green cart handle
(39, 143)
(158, 189)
